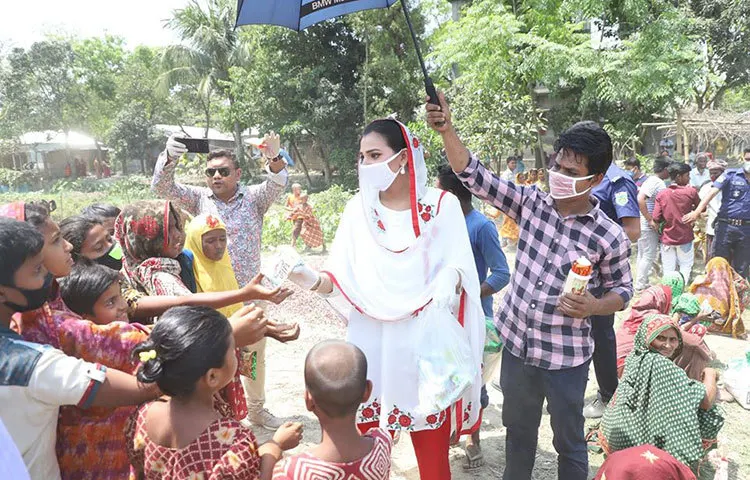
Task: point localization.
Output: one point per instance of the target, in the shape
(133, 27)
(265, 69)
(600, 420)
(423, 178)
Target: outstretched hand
(256, 291)
(283, 332)
(249, 325)
(438, 117)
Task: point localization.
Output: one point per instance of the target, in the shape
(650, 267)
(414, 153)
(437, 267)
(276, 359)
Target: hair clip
(147, 355)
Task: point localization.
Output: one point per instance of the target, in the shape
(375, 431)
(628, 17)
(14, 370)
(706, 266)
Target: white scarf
(389, 281)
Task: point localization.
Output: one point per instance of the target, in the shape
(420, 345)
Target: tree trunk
(239, 147)
(298, 158)
(327, 171)
(143, 165)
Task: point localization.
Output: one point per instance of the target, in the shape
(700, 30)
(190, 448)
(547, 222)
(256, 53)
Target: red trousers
(431, 448)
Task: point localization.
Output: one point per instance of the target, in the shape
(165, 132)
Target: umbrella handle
(429, 87)
(432, 93)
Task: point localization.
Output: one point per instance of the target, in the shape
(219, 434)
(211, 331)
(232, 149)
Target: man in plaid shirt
(547, 334)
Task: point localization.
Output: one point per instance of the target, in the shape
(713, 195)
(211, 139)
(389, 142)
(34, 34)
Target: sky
(22, 22)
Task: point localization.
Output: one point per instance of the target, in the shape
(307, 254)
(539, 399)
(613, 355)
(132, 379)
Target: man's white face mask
(562, 186)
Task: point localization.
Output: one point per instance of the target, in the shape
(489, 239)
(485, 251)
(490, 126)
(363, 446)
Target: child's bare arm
(120, 389)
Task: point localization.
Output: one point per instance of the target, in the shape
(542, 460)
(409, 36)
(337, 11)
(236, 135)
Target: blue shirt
(735, 194)
(617, 195)
(485, 245)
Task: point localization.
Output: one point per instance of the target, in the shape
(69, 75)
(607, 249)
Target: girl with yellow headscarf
(207, 239)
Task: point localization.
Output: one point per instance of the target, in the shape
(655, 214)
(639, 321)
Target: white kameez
(383, 264)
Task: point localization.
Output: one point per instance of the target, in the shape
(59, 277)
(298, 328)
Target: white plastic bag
(493, 351)
(444, 360)
(737, 381)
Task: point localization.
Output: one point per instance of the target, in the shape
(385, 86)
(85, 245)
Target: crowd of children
(80, 353)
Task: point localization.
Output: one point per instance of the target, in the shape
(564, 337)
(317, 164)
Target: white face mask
(746, 167)
(378, 175)
(562, 186)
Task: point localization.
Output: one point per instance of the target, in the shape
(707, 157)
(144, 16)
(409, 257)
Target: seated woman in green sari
(657, 404)
(667, 299)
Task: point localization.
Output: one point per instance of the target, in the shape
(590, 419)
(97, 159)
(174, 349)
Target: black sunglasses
(223, 171)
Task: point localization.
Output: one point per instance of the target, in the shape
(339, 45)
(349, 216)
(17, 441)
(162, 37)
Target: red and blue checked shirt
(528, 320)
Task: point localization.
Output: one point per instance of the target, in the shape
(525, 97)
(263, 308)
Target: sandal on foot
(474, 457)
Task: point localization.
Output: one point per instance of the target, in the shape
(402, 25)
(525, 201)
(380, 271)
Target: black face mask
(34, 298)
(109, 261)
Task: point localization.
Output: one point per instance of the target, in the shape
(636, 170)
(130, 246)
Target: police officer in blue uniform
(732, 230)
(618, 199)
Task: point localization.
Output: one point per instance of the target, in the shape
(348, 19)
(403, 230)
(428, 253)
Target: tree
(133, 136)
(97, 65)
(308, 87)
(390, 79)
(212, 48)
(722, 29)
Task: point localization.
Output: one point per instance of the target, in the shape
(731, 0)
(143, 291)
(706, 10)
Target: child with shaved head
(336, 384)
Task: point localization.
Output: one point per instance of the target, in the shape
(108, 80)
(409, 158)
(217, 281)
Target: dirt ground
(285, 387)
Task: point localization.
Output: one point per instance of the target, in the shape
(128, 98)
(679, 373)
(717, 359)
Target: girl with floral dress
(190, 355)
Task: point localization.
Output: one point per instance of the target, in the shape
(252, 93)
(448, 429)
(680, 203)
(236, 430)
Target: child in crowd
(532, 177)
(35, 380)
(206, 238)
(190, 356)
(509, 231)
(311, 232)
(151, 234)
(336, 384)
(93, 292)
(106, 213)
(90, 240)
(293, 201)
(670, 206)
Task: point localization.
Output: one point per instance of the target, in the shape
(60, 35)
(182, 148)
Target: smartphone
(195, 145)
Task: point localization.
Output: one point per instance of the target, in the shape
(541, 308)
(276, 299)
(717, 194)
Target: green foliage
(492, 98)
(133, 136)
(84, 185)
(193, 167)
(431, 142)
(328, 206)
(72, 196)
(16, 179)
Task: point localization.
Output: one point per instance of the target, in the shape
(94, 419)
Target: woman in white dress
(402, 258)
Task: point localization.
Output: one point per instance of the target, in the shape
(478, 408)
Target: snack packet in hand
(282, 263)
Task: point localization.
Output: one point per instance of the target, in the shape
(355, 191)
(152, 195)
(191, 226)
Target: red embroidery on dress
(400, 420)
(425, 212)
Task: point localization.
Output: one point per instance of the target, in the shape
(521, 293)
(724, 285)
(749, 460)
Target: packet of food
(578, 277)
(281, 265)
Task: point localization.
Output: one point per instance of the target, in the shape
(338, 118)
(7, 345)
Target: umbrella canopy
(300, 14)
